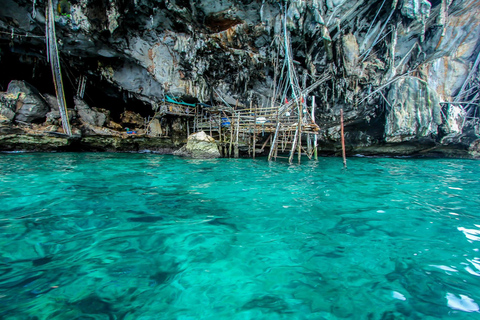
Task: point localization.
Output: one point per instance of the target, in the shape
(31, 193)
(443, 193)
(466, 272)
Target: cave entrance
(102, 94)
(16, 65)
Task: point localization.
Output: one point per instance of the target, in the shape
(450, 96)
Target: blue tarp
(171, 100)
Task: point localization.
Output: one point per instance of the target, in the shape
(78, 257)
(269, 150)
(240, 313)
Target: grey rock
(199, 146)
(53, 117)
(8, 103)
(414, 112)
(89, 115)
(350, 54)
(33, 107)
(155, 128)
(416, 9)
(51, 101)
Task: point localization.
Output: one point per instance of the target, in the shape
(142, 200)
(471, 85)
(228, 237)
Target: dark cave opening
(17, 66)
(101, 94)
(98, 93)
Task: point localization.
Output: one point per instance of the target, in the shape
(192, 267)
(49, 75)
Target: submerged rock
(199, 146)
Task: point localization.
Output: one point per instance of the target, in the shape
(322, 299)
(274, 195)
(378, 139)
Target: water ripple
(135, 236)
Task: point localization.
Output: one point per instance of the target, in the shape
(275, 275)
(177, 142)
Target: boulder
(89, 115)
(31, 106)
(8, 103)
(199, 146)
(53, 117)
(51, 101)
(155, 128)
(113, 125)
(4, 119)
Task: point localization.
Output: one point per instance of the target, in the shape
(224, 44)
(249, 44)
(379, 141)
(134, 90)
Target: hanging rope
(52, 57)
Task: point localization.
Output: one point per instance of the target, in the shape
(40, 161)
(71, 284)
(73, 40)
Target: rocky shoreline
(14, 139)
(30, 121)
(405, 73)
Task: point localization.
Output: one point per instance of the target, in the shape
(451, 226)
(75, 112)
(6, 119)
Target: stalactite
(393, 70)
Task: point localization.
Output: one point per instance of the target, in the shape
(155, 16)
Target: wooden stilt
(343, 139)
(294, 145)
(254, 136)
(210, 117)
(232, 129)
(274, 144)
(195, 120)
(231, 138)
(315, 137)
(236, 138)
(266, 142)
(300, 119)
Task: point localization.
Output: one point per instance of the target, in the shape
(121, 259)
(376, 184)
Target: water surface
(144, 236)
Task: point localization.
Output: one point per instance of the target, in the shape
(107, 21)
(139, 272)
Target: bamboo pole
(236, 138)
(315, 135)
(231, 139)
(300, 119)
(343, 139)
(52, 56)
(220, 135)
(273, 146)
(195, 120)
(231, 130)
(210, 121)
(266, 142)
(294, 144)
(254, 130)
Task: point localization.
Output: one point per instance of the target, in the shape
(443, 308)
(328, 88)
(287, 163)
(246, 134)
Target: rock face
(155, 128)
(31, 107)
(89, 115)
(391, 63)
(414, 111)
(199, 146)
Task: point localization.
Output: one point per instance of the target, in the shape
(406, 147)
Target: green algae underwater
(145, 236)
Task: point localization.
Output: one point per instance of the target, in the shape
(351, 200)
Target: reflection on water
(142, 236)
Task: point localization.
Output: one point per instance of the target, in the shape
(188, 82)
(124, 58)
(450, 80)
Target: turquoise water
(144, 236)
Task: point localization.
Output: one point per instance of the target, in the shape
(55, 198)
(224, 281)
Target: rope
(12, 34)
(52, 55)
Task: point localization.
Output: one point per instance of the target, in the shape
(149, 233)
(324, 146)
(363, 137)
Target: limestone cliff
(396, 65)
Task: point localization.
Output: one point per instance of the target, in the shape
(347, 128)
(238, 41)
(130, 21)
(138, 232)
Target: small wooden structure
(286, 126)
(286, 130)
